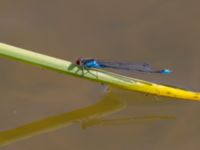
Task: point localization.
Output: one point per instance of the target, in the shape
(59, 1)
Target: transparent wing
(128, 66)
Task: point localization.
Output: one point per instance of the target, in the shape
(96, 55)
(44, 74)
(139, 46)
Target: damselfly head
(79, 61)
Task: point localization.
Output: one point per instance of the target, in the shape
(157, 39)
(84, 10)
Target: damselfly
(127, 66)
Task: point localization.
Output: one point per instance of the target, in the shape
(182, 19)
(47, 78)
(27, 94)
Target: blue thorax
(93, 64)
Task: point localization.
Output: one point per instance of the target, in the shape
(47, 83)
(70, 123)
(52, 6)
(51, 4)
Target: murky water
(41, 109)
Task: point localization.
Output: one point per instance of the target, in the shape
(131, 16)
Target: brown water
(162, 33)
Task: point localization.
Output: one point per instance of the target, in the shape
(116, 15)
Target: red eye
(78, 62)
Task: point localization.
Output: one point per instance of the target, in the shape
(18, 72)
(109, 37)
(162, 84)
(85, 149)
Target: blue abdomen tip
(166, 71)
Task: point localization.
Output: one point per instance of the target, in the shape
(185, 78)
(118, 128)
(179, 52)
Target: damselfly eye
(78, 62)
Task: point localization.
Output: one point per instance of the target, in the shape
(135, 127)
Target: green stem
(102, 76)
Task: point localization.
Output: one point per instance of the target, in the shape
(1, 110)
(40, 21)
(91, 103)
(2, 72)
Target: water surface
(162, 33)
